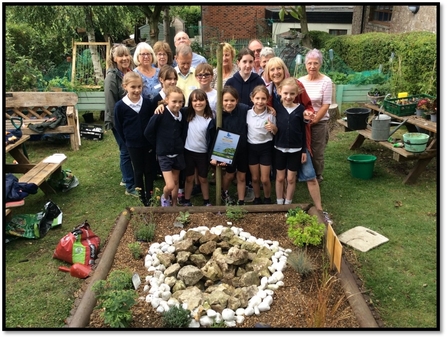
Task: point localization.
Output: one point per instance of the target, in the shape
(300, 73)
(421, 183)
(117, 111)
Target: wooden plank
(18, 168)
(19, 142)
(40, 172)
(32, 99)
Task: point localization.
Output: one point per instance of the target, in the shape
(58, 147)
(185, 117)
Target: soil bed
(294, 304)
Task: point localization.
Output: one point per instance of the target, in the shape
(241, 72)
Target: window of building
(338, 31)
(381, 14)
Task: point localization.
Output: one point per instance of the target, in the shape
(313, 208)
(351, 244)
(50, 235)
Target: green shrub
(176, 317)
(235, 212)
(135, 249)
(116, 296)
(303, 228)
(319, 38)
(145, 232)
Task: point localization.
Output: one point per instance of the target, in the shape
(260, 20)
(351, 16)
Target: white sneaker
(165, 202)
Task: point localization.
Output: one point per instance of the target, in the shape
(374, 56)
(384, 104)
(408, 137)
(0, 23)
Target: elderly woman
(266, 54)
(120, 62)
(319, 89)
(163, 53)
(144, 59)
(229, 68)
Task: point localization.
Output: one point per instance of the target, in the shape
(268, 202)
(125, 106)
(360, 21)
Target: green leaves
(303, 228)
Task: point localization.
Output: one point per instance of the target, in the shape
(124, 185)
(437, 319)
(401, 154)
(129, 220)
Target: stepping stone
(362, 238)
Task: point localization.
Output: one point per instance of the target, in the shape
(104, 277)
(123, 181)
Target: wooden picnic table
(400, 154)
(32, 173)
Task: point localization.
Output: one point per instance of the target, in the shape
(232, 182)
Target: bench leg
(417, 170)
(357, 142)
(46, 187)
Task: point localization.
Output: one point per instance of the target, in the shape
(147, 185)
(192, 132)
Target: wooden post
(219, 116)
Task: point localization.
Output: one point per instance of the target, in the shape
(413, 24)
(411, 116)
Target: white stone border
(159, 293)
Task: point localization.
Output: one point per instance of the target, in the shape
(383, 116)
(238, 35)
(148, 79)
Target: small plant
(155, 198)
(135, 249)
(303, 228)
(220, 325)
(301, 263)
(235, 212)
(320, 311)
(176, 317)
(116, 296)
(183, 217)
(145, 232)
(425, 104)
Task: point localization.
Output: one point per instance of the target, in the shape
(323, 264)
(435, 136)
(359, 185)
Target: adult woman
(228, 67)
(163, 53)
(120, 62)
(144, 59)
(276, 71)
(319, 89)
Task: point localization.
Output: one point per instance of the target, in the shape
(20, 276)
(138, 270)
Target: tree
(299, 13)
(153, 15)
(62, 21)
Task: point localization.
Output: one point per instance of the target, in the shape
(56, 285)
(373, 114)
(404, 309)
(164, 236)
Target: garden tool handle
(19, 119)
(400, 124)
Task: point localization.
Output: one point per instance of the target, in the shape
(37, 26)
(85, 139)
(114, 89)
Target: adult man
(182, 38)
(256, 46)
(187, 82)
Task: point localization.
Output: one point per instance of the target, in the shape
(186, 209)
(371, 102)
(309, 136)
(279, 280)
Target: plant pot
(433, 117)
(419, 112)
(375, 99)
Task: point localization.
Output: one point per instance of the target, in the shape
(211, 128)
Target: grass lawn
(401, 276)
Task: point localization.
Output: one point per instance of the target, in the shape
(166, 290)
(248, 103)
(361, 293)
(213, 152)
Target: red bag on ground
(79, 246)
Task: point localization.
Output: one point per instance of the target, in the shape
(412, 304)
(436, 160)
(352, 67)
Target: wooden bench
(36, 107)
(40, 173)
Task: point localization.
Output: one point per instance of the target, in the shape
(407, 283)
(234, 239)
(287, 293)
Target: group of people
(161, 109)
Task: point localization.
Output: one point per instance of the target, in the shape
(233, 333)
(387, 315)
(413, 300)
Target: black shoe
(319, 178)
(240, 202)
(257, 200)
(267, 200)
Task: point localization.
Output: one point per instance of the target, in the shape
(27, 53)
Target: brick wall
(402, 20)
(231, 22)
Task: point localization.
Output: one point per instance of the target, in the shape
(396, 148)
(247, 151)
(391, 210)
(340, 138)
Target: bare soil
(295, 305)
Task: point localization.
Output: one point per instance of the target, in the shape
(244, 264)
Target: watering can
(77, 270)
(381, 127)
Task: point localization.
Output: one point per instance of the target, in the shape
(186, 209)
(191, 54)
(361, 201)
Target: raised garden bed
(293, 304)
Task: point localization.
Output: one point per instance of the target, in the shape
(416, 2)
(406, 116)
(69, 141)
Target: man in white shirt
(187, 81)
(182, 38)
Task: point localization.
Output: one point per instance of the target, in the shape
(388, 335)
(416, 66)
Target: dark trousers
(145, 168)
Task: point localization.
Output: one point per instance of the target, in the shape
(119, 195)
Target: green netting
(333, 66)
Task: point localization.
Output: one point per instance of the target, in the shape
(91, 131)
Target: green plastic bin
(362, 166)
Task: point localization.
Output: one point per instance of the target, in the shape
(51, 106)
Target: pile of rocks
(219, 274)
